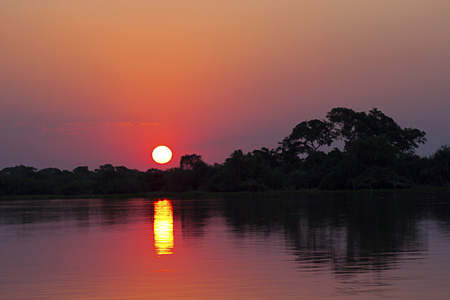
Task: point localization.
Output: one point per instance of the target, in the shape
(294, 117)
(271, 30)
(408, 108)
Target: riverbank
(203, 195)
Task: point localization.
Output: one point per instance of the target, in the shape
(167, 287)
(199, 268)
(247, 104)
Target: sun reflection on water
(163, 227)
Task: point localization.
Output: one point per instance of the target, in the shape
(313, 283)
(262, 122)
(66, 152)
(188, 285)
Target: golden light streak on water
(163, 227)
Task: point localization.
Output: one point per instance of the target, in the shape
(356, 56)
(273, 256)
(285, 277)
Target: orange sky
(209, 77)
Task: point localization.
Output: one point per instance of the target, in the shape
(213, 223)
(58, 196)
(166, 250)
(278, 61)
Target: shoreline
(202, 195)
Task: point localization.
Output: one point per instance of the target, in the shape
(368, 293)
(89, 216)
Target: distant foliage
(377, 154)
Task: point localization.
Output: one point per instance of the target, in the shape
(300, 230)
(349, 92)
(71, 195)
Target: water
(327, 246)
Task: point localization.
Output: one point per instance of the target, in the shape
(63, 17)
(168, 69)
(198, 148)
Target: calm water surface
(337, 246)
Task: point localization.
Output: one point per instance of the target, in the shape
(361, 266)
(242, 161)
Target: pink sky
(101, 81)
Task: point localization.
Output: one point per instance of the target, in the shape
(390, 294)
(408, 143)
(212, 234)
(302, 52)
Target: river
(391, 245)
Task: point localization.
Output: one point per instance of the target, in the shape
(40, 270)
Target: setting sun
(162, 154)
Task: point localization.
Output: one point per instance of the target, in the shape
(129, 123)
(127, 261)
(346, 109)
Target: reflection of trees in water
(124, 211)
(379, 230)
(193, 215)
(360, 233)
(440, 211)
(78, 213)
(348, 232)
(44, 211)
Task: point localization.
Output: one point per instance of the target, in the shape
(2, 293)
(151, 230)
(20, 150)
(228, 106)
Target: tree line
(376, 153)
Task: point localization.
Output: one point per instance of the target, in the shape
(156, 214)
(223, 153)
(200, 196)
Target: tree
(82, 170)
(270, 156)
(346, 122)
(409, 139)
(156, 179)
(437, 170)
(22, 171)
(307, 137)
(190, 176)
(351, 126)
(192, 162)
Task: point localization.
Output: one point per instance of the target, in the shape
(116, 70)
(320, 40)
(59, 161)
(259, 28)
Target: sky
(87, 83)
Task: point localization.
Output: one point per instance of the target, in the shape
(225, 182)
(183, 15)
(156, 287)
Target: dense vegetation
(376, 153)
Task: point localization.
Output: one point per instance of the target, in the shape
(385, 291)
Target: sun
(162, 154)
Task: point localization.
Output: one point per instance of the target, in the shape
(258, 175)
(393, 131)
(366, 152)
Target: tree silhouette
(351, 126)
(308, 136)
(191, 162)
